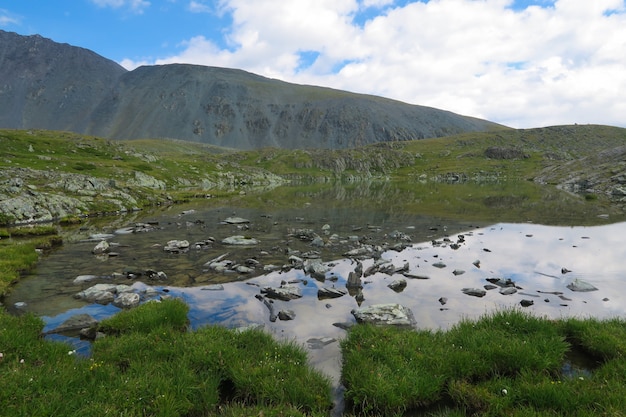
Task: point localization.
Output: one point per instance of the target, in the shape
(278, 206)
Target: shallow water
(532, 255)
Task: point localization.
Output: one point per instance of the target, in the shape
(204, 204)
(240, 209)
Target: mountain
(61, 87)
(48, 85)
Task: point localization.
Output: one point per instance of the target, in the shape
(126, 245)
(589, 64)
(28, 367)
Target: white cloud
(136, 6)
(564, 63)
(7, 18)
(199, 7)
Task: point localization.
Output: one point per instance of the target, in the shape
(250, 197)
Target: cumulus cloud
(540, 64)
(136, 6)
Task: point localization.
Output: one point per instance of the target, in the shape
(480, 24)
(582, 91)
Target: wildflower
(504, 391)
(21, 360)
(1, 355)
(71, 352)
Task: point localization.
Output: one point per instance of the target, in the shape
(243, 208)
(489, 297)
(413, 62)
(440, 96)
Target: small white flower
(21, 360)
(504, 391)
(71, 352)
(1, 355)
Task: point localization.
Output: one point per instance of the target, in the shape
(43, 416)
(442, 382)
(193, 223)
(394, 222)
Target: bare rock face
(48, 85)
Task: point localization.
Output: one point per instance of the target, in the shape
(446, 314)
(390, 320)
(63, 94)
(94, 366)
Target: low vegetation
(150, 365)
(18, 251)
(507, 363)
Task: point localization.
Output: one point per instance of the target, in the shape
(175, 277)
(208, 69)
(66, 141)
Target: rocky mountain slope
(56, 86)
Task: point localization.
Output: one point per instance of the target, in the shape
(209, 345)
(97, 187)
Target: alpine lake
(445, 251)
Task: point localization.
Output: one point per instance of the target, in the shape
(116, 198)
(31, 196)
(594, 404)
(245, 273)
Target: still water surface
(536, 257)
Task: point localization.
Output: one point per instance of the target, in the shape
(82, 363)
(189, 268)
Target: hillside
(48, 175)
(47, 85)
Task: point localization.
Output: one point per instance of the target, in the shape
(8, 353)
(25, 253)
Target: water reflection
(534, 256)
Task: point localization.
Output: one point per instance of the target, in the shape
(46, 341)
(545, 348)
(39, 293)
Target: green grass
(151, 365)
(506, 363)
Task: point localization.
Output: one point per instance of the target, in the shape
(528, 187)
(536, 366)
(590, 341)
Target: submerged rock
(385, 314)
(74, 323)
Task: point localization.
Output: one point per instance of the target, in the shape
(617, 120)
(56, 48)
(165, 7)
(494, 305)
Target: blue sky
(523, 63)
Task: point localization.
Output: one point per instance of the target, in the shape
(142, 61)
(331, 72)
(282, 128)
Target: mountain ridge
(55, 86)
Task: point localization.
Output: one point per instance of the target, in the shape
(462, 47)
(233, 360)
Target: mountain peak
(57, 86)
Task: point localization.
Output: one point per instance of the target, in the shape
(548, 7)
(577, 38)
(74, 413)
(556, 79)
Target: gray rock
(127, 300)
(96, 292)
(74, 323)
(101, 248)
(176, 246)
(354, 280)
(474, 292)
(239, 240)
(236, 220)
(242, 269)
(502, 282)
(214, 287)
(439, 265)
(458, 272)
(398, 285)
(284, 292)
(526, 303)
(85, 278)
(286, 315)
(508, 290)
(316, 268)
(326, 292)
(144, 180)
(581, 286)
(385, 314)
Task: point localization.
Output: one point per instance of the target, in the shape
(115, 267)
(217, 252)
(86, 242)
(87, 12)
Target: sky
(521, 63)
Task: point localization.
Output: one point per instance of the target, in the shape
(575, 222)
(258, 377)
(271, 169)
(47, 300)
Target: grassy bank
(150, 365)
(18, 251)
(507, 363)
